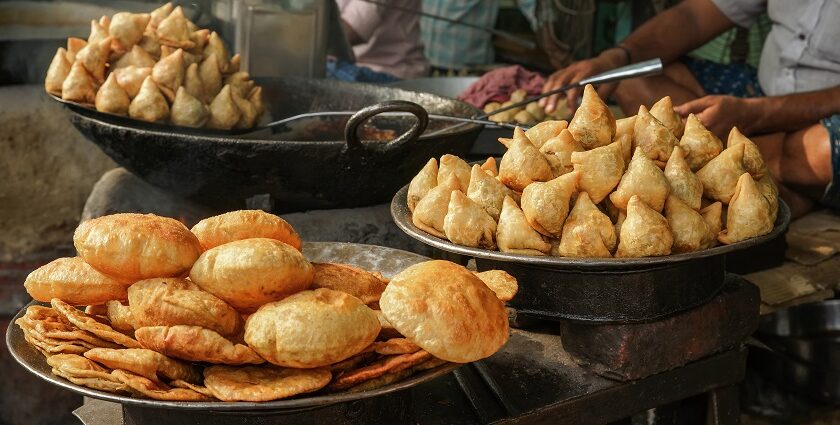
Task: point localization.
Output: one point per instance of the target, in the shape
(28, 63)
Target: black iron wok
(309, 164)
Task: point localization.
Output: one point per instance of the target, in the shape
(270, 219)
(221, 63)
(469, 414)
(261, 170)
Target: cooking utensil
(806, 320)
(812, 381)
(387, 261)
(605, 290)
(819, 351)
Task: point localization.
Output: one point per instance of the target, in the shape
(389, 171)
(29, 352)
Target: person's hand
(577, 71)
(720, 113)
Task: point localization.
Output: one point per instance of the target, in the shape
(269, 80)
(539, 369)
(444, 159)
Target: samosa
(663, 110)
(192, 82)
(558, 151)
(753, 161)
(688, 227)
(240, 82)
(159, 14)
(588, 232)
(224, 114)
(256, 99)
(489, 166)
(131, 78)
(422, 183)
(546, 205)
(748, 214)
(208, 71)
(248, 112)
(600, 170)
(127, 28)
(720, 175)
(653, 138)
(174, 31)
(514, 235)
(523, 164)
(94, 57)
(79, 85)
(135, 57)
(593, 125)
(466, 223)
(542, 132)
(487, 191)
(684, 184)
(168, 73)
(188, 111)
(644, 233)
(149, 104)
(452, 165)
(768, 188)
(624, 127)
(215, 46)
(430, 211)
(150, 43)
(713, 216)
(700, 145)
(112, 98)
(57, 72)
(645, 179)
(98, 32)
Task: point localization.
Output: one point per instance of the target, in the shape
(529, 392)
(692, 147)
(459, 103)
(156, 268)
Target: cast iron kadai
(311, 163)
(601, 290)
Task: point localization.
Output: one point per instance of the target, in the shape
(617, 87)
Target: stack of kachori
(232, 310)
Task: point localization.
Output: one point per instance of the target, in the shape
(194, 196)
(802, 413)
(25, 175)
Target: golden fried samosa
(73, 46)
(600, 170)
(174, 31)
(215, 46)
(224, 114)
(653, 138)
(514, 235)
(688, 227)
(700, 145)
(149, 104)
(235, 62)
(466, 223)
(135, 57)
(720, 175)
(624, 127)
(127, 28)
(645, 179)
(593, 124)
(240, 82)
(487, 191)
(79, 85)
(619, 220)
(188, 111)
(98, 32)
(684, 184)
(644, 233)
(192, 82)
(518, 133)
(94, 57)
(663, 110)
(422, 183)
(626, 143)
(546, 205)
(753, 161)
(523, 164)
(256, 99)
(588, 232)
(159, 14)
(713, 216)
(199, 39)
(452, 165)
(768, 188)
(208, 71)
(489, 167)
(57, 72)
(189, 58)
(112, 98)
(168, 73)
(558, 151)
(131, 78)
(748, 214)
(150, 43)
(431, 210)
(248, 116)
(542, 132)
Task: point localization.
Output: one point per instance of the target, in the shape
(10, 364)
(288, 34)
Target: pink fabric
(498, 84)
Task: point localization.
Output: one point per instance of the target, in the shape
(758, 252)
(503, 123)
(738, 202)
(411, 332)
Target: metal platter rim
(35, 363)
(402, 218)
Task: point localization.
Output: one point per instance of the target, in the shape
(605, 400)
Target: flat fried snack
(600, 170)
(588, 232)
(720, 175)
(84, 372)
(157, 390)
(446, 310)
(429, 213)
(196, 344)
(352, 280)
(50, 327)
(500, 282)
(558, 151)
(90, 324)
(546, 205)
(251, 272)
(653, 138)
(147, 363)
(75, 282)
(394, 346)
(136, 246)
(244, 224)
(311, 329)
(645, 232)
(690, 230)
(515, 235)
(645, 179)
(175, 301)
(119, 316)
(263, 383)
(684, 184)
(452, 165)
(467, 223)
(700, 145)
(593, 124)
(748, 215)
(487, 191)
(523, 164)
(422, 183)
(389, 364)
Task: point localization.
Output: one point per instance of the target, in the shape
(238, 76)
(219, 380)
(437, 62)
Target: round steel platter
(603, 290)
(387, 261)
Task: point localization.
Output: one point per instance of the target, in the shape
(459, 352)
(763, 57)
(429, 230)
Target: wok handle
(351, 135)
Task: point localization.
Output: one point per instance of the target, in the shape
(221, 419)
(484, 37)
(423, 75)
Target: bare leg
(676, 81)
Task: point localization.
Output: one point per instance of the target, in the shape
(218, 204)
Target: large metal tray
(387, 261)
(603, 290)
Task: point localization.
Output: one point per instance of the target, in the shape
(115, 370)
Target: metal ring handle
(351, 129)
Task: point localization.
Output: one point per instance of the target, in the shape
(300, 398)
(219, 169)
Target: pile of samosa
(156, 67)
(646, 185)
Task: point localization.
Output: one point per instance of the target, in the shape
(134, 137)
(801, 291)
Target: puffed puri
(311, 329)
(244, 224)
(74, 281)
(251, 272)
(446, 310)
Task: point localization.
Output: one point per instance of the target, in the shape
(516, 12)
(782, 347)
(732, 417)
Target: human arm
(359, 19)
(668, 35)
